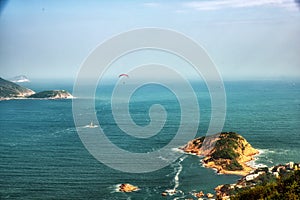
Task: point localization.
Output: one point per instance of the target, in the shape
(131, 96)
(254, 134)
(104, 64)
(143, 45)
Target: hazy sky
(246, 39)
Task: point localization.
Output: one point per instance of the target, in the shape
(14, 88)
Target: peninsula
(227, 152)
(10, 90)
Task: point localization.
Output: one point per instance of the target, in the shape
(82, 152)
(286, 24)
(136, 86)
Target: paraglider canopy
(126, 75)
(123, 75)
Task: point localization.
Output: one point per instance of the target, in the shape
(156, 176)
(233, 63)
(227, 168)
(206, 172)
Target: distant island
(10, 90)
(52, 94)
(227, 152)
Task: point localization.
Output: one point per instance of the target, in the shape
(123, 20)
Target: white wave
(265, 151)
(262, 152)
(162, 158)
(177, 150)
(176, 178)
(174, 191)
(116, 188)
(89, 126)
(255, 165)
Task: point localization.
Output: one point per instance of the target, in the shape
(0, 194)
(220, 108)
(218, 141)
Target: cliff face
(10, 90)
(52, 94)
(227, 152)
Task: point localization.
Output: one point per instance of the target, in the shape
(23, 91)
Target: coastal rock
(126, 187)
(52, 94)
(209, 195)
(227, 152)
(164, 194)
(199, 194)
(10, 90)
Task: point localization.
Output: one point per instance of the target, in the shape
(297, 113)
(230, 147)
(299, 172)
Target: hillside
(52, 94)
(227, 152)
(10, 90)
(286, 188)
(277, 182)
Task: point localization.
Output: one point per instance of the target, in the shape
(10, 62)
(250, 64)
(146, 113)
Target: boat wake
(89, 126)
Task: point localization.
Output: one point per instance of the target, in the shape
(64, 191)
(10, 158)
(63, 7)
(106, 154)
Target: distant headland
(52, 94)
(10, 90)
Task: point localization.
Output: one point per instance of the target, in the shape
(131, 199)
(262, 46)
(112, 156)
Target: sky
(257, 39)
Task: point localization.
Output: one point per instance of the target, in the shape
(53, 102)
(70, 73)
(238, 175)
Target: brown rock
(209, 195)
(199, 194)
(164, 194)
(126, 187)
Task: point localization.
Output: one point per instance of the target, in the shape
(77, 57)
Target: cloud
(221, 4)
(181, 11)
(151, 4)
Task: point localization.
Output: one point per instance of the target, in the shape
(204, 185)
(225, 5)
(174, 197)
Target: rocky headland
(227, 152)
(10, 90)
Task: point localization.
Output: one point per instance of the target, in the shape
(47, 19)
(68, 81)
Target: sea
(43, 157)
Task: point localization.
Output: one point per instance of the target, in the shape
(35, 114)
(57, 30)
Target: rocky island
(126, 187)
(227, 152)
(52, 94)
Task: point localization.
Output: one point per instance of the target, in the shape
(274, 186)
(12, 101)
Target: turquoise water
(42, 157)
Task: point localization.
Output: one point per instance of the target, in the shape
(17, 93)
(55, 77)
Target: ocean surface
(42, 156)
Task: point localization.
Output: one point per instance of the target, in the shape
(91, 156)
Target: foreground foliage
(288, 187)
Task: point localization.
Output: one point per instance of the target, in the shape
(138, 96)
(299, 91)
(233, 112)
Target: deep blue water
(42, 157)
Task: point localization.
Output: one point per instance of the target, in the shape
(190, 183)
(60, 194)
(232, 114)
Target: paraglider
(126, 75)
(123, 75)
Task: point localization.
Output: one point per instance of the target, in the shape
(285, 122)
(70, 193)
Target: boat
(91, 125)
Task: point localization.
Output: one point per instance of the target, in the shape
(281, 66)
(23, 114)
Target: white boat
(91, 125)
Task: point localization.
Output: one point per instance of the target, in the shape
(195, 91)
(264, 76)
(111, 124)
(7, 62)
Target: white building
(251, 177)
